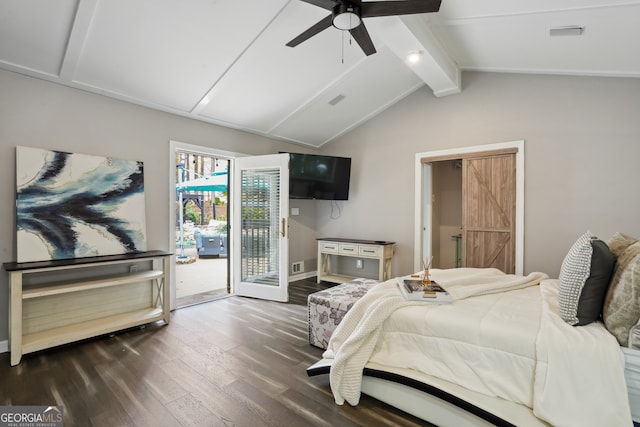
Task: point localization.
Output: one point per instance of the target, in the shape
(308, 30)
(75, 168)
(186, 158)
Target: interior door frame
(196, 149)
(423, 197)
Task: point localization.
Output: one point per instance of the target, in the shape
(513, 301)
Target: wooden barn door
(489, 211)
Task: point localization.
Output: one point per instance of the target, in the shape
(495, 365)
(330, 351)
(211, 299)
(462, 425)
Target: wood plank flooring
(231, 362)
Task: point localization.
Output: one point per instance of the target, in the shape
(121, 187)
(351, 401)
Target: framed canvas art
(76, 205)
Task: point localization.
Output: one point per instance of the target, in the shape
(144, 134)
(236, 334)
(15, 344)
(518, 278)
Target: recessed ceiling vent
(571, 30)
(337, 99)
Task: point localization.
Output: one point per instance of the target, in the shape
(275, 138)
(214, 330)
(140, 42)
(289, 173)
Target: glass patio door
(260, 227)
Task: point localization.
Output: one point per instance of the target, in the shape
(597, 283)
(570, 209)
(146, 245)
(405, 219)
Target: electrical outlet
(297, 267)
(359, 263)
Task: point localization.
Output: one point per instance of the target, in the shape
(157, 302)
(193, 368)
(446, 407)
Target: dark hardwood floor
(231, 362)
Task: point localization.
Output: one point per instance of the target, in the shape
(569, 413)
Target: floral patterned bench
(328, 307)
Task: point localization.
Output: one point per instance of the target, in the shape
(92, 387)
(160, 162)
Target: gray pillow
(621, 309)
(595, 288)
(584, 279)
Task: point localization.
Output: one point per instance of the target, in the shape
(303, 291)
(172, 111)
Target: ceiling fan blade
(311, 31)
(390, 8)
(361, 35)
(325, 4)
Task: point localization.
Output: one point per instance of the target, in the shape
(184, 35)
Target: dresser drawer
(329, 247)
(348, 249)
(369, 250)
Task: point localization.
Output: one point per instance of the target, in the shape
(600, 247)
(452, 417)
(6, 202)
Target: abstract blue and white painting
(77, 205)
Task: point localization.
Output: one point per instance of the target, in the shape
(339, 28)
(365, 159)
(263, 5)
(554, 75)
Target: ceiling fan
(346, 15)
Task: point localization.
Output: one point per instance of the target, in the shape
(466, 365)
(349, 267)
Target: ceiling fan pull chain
(342, 46)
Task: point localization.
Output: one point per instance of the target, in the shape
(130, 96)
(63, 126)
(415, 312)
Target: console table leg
(166, 290)
(15, 317)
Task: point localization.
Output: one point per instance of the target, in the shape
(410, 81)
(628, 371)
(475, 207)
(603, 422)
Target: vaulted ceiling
(225, 61)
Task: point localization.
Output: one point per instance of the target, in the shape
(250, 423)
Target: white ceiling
(225, 61)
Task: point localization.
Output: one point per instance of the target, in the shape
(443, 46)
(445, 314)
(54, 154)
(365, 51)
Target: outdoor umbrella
(216, 182)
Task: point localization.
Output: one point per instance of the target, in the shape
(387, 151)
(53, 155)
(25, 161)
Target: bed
(504, 352)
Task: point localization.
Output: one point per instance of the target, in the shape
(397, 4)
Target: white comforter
(490, 340)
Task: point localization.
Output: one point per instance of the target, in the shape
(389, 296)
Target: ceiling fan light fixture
(346, 17)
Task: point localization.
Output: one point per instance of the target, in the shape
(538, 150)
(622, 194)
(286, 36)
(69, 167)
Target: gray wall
(582, 148)
(36, 113)
(302, 235)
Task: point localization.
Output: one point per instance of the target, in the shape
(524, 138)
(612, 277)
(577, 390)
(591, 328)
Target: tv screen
(319, 177)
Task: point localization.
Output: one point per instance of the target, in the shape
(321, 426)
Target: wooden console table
(57, 302)
(330, 248)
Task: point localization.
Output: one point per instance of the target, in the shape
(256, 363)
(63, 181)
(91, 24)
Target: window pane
(260, 212)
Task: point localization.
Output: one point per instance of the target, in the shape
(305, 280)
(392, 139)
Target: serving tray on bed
(413, 289)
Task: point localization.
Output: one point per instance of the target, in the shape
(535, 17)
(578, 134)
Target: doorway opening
(453, 222)
(446, 221)
(202, 261)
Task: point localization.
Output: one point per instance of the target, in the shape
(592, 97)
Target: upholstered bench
(328, 307)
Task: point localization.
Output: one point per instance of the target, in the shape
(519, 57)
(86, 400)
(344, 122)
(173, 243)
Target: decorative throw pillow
(621, 309)
(584, 279)
(619, 242)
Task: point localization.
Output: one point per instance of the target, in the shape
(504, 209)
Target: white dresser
(333, 250)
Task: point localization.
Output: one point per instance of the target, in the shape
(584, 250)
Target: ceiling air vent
(571, 30)
(337, 99)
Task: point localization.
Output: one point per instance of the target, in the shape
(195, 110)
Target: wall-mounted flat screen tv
(318, 177)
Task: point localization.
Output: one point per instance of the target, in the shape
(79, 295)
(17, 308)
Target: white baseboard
(4, 346)
(301, 276)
